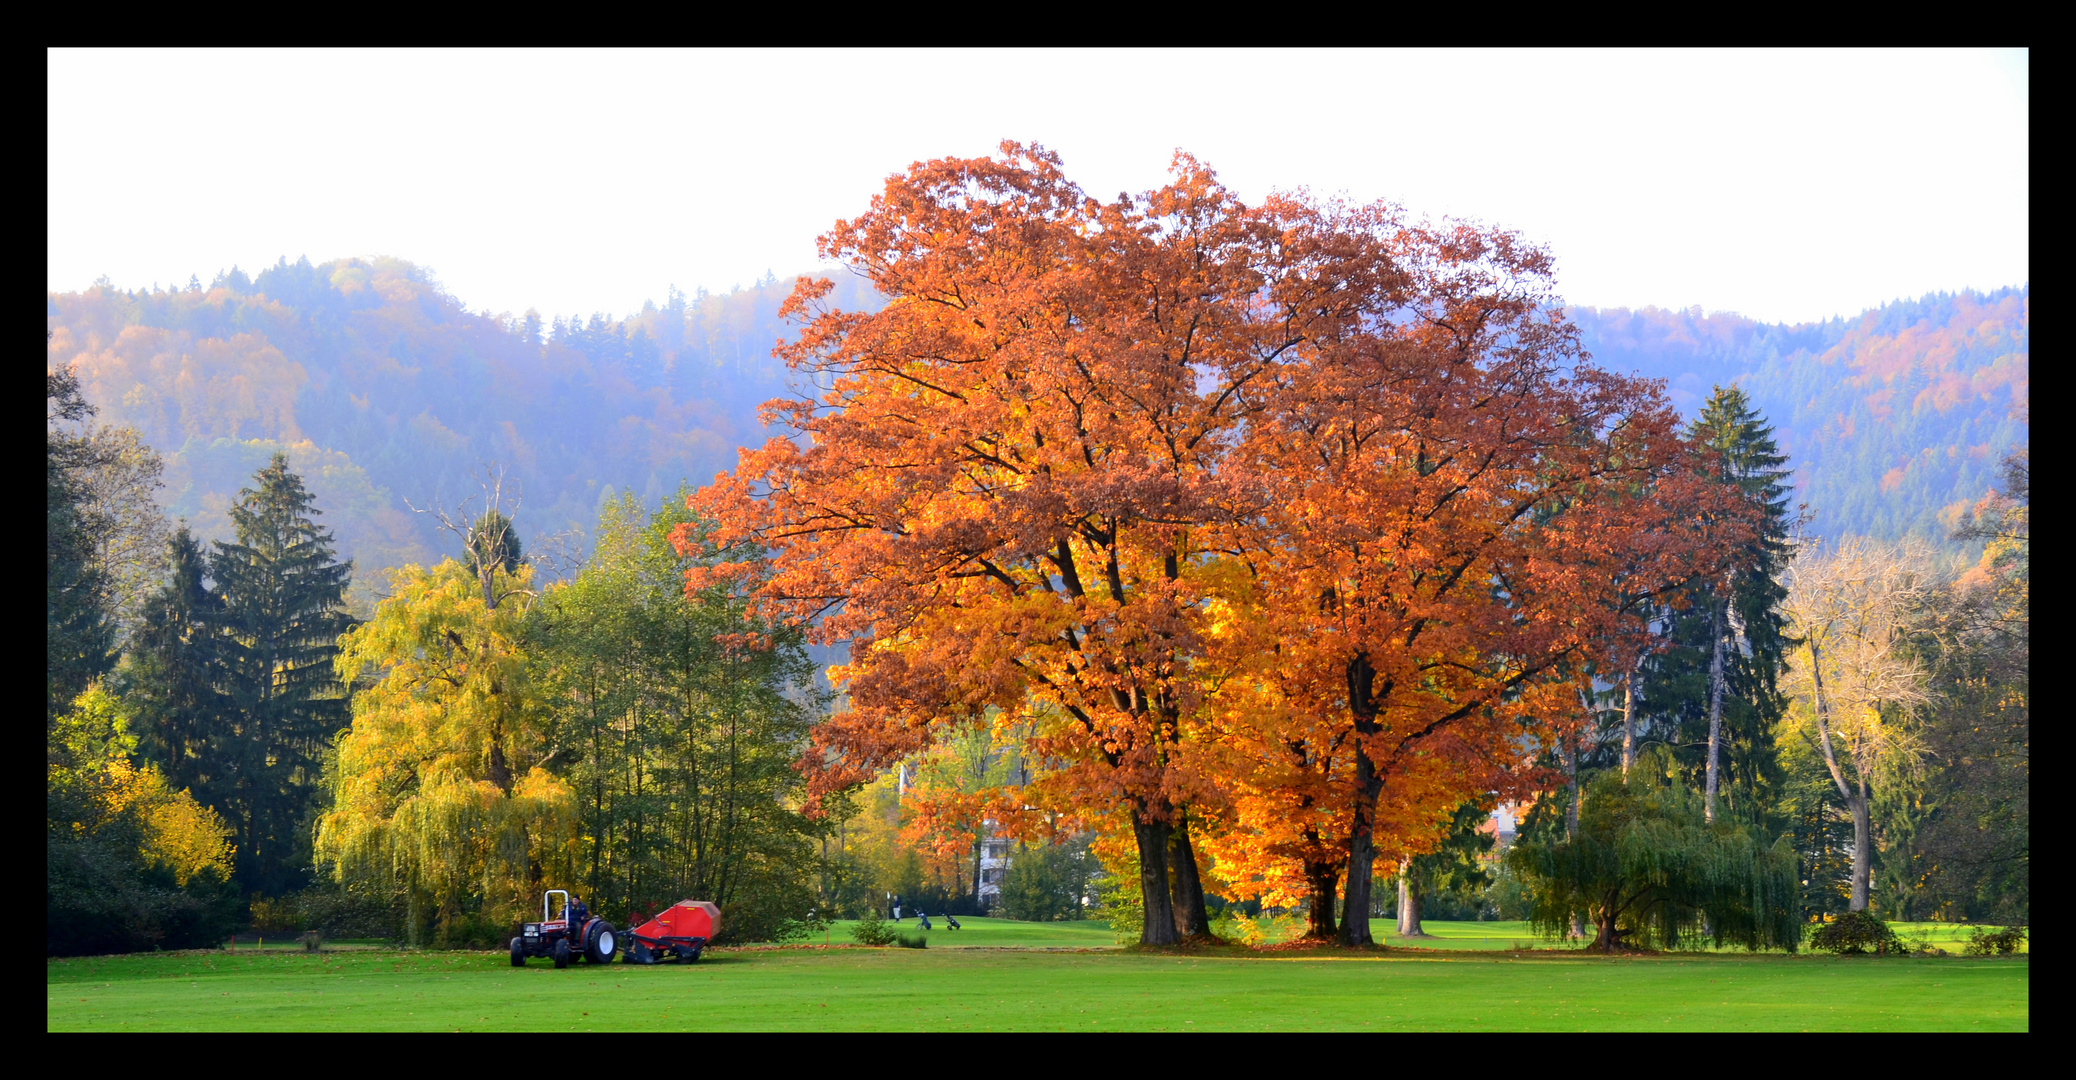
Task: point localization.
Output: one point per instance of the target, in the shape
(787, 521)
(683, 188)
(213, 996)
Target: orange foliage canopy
(1462, 517)
(1242, 508)
(997, 490)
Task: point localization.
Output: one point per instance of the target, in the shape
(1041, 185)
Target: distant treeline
(1898, 419)
(382, 388)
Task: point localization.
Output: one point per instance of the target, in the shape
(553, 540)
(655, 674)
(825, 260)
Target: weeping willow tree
(1649, 870)
(439, 787)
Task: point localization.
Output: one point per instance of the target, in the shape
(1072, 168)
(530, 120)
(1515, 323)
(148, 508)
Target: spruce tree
(168, 673)
(493, 540)
(1679, 688)
(78, 635)
(281, 610)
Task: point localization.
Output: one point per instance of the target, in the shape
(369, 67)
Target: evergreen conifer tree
(281, 612)
(493, 535)
(1681, 685)
(168, 672)
(78, 635)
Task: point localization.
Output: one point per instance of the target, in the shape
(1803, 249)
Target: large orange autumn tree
(994, 499)
(1463, 517)
(1038, 484)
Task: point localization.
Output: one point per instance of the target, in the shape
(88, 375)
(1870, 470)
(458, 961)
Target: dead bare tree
(489, 540)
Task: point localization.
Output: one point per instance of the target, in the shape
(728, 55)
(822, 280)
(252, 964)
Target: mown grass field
(1091, 934)
(992, 986)
(1496, 935)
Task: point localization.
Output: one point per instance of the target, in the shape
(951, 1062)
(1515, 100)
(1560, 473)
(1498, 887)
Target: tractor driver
(577, 912)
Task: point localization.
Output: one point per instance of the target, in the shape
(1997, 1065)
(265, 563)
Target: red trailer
(680, 931)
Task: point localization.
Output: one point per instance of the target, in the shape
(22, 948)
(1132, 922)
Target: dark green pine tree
(1675, 692)
(169, 673)
(493, 536)
(281, 612)
(78, 636)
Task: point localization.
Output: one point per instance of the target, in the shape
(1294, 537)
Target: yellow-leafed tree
(438, 787)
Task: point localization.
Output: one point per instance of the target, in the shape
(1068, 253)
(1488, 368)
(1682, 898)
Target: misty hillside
(383, 388)
(1894, 419)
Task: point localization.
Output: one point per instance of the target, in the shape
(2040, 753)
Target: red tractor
(574, 931)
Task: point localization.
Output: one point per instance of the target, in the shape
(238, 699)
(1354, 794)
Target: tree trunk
(1863, 846)
(1362, 854)
(1324, 877)
(1604, 928)
(1159, 927)
(1369, 784)
(1571, 789)
(1715, 708)
(1571, 816)
(1856, 801)
(1629, 720)
(1409, 898)
(1192, 920)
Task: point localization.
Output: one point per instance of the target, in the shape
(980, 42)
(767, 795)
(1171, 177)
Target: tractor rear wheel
(561, 953)
(518, 952)
(600, 942)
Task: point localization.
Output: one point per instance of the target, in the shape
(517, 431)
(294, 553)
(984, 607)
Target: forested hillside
(383, 388)
(1893, 421)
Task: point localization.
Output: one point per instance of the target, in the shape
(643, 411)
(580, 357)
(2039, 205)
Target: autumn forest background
(382, 388)
(474, 533)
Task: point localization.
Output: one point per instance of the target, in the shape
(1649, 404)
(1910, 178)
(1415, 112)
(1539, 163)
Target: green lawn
(984, 989)
(983, 933)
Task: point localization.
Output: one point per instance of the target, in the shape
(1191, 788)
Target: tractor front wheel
(561, 953)
(518, 952)
(600, 942)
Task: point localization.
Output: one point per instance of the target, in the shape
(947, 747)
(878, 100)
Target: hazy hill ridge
(383, 387)
(1895, 419)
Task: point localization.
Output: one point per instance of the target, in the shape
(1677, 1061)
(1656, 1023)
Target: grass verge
(980, 989)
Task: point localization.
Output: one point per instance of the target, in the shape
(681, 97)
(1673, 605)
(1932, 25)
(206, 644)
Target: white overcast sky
(1784, 185)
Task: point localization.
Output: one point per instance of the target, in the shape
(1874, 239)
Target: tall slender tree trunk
(1715, 708)
(1855, 796)
(1571, 789)
(1629, 719)
(1409, 898)
(1571, 816)
(1863, 846)
(1152, 835)
(1192, 920)
(980, 847)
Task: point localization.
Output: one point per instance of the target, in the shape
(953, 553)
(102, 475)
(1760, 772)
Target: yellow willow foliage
(438, 784)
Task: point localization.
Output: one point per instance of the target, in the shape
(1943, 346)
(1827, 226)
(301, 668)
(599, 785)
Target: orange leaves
(992, 497)
(1297, 515)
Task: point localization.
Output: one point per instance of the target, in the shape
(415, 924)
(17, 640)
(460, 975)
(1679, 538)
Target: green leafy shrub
(1983, 941)
(872, 929)
(1856, 932)
(912, 941)
(1118, 900)
(1046, 882)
